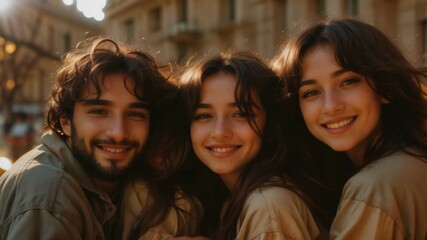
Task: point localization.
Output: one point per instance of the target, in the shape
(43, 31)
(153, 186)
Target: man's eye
(137, 115)
(98, 112)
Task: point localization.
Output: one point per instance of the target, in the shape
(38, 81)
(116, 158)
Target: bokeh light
(90, 8)
(5, 5)
(10, 47)
(5, 163)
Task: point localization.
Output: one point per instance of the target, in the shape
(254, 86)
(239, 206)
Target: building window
(129, 26)
(352, 7)
(424, 39)
(227, 10)
(67, 42)
(232, 10)
(182, 10)
(321, 8)
(41, 88)
(51, 38)
(155, 19)
(280, 14)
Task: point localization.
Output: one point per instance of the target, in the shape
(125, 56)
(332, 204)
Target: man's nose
(118, 129)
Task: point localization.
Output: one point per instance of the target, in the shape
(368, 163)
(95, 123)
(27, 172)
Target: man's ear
(66, 125)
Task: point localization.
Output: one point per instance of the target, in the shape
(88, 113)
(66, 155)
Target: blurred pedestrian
(20, 136)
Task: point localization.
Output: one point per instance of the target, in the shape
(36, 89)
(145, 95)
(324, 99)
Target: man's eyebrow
(101, 102)
(139, 105)
(96, 102)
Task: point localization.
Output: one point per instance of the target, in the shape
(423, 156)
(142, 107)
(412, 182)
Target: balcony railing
(184, 31)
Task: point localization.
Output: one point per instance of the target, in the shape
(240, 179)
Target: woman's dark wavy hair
(253, 76)
(168, 171)
(361, 48)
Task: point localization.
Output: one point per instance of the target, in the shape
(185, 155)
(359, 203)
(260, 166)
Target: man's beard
(86, 158)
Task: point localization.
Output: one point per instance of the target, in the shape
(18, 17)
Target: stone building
(175, 30)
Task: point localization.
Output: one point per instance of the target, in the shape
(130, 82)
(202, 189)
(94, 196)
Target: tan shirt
(385, 200)
(137, 197)
(276, 213)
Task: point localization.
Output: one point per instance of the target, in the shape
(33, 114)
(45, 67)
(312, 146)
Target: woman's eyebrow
(334, 74)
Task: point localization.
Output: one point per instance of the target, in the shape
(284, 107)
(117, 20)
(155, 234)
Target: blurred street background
(36, 34)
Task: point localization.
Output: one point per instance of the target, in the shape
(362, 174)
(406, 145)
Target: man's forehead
(111, 82)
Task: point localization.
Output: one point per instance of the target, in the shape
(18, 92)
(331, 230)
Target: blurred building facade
(41, 31)
(34, 36)
(175, 30)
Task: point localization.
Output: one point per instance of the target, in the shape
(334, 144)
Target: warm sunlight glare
(5, 163)
(5, 5)
(68, 2)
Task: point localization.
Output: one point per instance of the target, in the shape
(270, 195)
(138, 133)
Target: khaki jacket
(47, 195)
(137, 197)
(386, 200)
(276, 213)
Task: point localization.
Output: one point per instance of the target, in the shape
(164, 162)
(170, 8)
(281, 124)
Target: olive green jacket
(47, 195)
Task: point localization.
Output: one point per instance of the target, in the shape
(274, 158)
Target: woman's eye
(241, 115)
(349, 81)
(309, 93)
